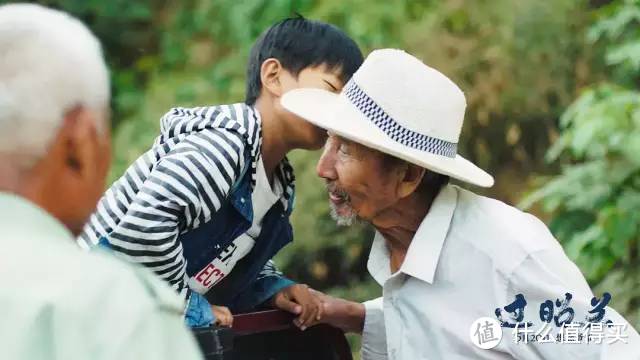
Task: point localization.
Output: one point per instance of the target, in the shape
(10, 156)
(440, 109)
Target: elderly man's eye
(343, 149)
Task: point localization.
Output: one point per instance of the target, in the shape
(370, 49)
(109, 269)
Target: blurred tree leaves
(595, 200)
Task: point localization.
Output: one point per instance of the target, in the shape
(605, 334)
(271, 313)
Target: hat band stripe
(394, 130)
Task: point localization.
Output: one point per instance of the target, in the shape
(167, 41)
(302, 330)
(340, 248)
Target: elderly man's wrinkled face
(358, 182)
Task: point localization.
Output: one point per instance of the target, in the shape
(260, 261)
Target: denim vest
(245, 287)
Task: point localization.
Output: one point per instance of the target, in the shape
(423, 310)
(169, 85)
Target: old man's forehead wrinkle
(356, 150)
(352, 147)
(362, 152)
(345, 141)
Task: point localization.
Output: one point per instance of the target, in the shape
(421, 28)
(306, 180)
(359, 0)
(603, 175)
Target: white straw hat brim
(334, 113)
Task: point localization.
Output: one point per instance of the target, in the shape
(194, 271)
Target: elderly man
(457, 269)
(57, 301)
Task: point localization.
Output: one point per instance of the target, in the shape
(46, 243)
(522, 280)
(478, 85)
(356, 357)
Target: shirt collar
(424, 251)
(32, 223)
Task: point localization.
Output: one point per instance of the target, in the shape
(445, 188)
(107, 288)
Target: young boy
(208, 206)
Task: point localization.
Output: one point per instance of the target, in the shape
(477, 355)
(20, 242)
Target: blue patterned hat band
(394, 130)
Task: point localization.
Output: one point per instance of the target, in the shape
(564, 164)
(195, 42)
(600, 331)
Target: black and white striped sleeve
(183, 190)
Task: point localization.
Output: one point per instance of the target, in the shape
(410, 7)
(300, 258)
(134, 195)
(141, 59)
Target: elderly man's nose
(326, 165)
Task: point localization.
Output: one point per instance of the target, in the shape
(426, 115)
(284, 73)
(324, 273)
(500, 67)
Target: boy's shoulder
(239, 117)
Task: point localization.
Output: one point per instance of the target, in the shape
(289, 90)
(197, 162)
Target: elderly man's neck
(399, 224)
(11, 176)
(26, 183)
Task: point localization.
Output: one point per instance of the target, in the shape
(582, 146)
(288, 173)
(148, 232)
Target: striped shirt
(178, 185)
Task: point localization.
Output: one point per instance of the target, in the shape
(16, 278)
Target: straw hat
(398, 105)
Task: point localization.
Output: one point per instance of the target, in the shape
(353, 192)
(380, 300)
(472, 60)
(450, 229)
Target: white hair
(50, 63)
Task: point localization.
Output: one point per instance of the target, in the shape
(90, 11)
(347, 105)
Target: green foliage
(618, 25)
(595, 201)
(519, 63)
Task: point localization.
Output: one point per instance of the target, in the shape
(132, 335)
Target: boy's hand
(223, 315)
(299, 300)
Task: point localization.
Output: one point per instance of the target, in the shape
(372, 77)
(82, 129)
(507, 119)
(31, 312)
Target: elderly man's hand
(299, 300)
(343, 314)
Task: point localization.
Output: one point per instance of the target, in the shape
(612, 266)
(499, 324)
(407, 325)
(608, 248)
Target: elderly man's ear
(410, 178)
(74, 169)
(81, 142)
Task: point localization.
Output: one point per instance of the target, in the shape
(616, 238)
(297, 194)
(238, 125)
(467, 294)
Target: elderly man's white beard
(338, 211)
(343, 220)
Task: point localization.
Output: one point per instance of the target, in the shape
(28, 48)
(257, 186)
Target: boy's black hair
(299, 43)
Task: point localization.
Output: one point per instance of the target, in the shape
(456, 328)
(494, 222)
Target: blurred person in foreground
(57, 301)
(444, 256)
(208, 205)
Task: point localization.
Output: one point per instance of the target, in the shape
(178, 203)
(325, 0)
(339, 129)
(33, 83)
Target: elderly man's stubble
(342, 212)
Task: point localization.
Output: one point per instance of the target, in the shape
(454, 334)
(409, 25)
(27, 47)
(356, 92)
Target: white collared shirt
(470, 256)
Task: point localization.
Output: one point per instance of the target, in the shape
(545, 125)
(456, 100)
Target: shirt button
(242, 200)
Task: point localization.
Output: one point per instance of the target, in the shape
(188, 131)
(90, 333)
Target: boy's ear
(270, 72)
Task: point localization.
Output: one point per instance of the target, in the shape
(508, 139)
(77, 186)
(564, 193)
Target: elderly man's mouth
(340, 204)
(336, 198)
(336, 195)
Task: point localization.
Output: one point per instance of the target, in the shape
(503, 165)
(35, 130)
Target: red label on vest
(208, 276)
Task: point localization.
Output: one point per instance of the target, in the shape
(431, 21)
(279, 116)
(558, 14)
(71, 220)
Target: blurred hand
(223, 315)
(343, 314)
(299, 300)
